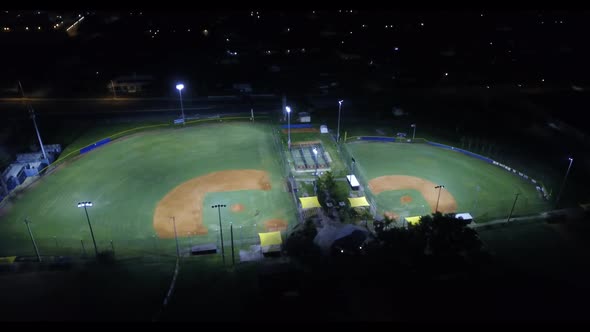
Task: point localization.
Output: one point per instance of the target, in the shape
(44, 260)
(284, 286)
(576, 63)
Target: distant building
(26, 165)
(14, 175)
(130, 84)
(304, 117)
(243, 87)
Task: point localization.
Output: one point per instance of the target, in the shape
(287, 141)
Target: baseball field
(402, 177)
(143, 184)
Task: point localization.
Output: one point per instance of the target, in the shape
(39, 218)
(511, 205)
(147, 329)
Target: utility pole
(513, 205)
(114, 91)
(32, 114)
(175, 236)
(27, 222)
(231, 231)
(218, 207)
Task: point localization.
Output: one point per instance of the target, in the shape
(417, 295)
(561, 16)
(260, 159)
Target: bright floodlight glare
(83, 204)
(315, 151)
(340, 102)
(179, 86)
(288, 109)
(570, 159)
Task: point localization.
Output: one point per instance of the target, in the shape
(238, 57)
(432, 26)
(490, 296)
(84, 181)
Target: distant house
(130, 84)
(304, 117)
(243, 87)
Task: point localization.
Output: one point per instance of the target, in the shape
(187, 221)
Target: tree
(439, 242)
(300, 243)
(326, 182)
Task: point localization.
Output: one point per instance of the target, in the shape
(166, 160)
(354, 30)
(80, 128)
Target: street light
(288, 109)
(439, 187)
(179, 87)
(339, 108)
(85, 205)
(564, 180)
(315, 152)
(218, 207)
(27, 222)
(413, 125)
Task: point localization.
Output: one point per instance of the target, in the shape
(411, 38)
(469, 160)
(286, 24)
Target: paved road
(109, 106)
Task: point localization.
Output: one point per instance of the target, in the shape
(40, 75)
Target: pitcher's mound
(275, 225)
(237, 208)
(406, 199)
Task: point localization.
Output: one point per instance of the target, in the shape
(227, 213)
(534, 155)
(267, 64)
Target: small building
(130, 84)
(33, 168)
(29, 157)
(14, 175)
(304, 117)
(353, 182)
(464, 216)
(52, 148)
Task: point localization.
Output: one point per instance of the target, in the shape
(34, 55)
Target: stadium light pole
(32, 113)
(315, 152)
(564, 180)
(288, 109)
(413, 125)
(218, 207)
(439, 187)
(179, 87)
(85, 205)
(27, 222)
(339, 109)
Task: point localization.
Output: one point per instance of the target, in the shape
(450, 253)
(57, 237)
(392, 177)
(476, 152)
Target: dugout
(204, 249)
(270, 243)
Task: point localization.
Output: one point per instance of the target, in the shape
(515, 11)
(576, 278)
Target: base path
(185, 202)
(446, 204)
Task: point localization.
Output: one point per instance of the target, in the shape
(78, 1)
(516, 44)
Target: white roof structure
(352, 180)
(464, 216)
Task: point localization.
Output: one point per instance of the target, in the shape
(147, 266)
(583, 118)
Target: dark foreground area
(536, 271)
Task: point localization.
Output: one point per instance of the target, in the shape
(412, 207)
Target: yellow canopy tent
(8, 259)
(358, 201)
(413, 220)
(309, 202)
(270, 239)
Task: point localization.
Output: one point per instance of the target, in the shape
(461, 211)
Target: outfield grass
(125, 180)
(484, 190)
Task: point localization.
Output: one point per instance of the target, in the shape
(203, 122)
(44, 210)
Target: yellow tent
(8, 259)
(413, 220)
(358, 201)
(270, 239)
(309, 202)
